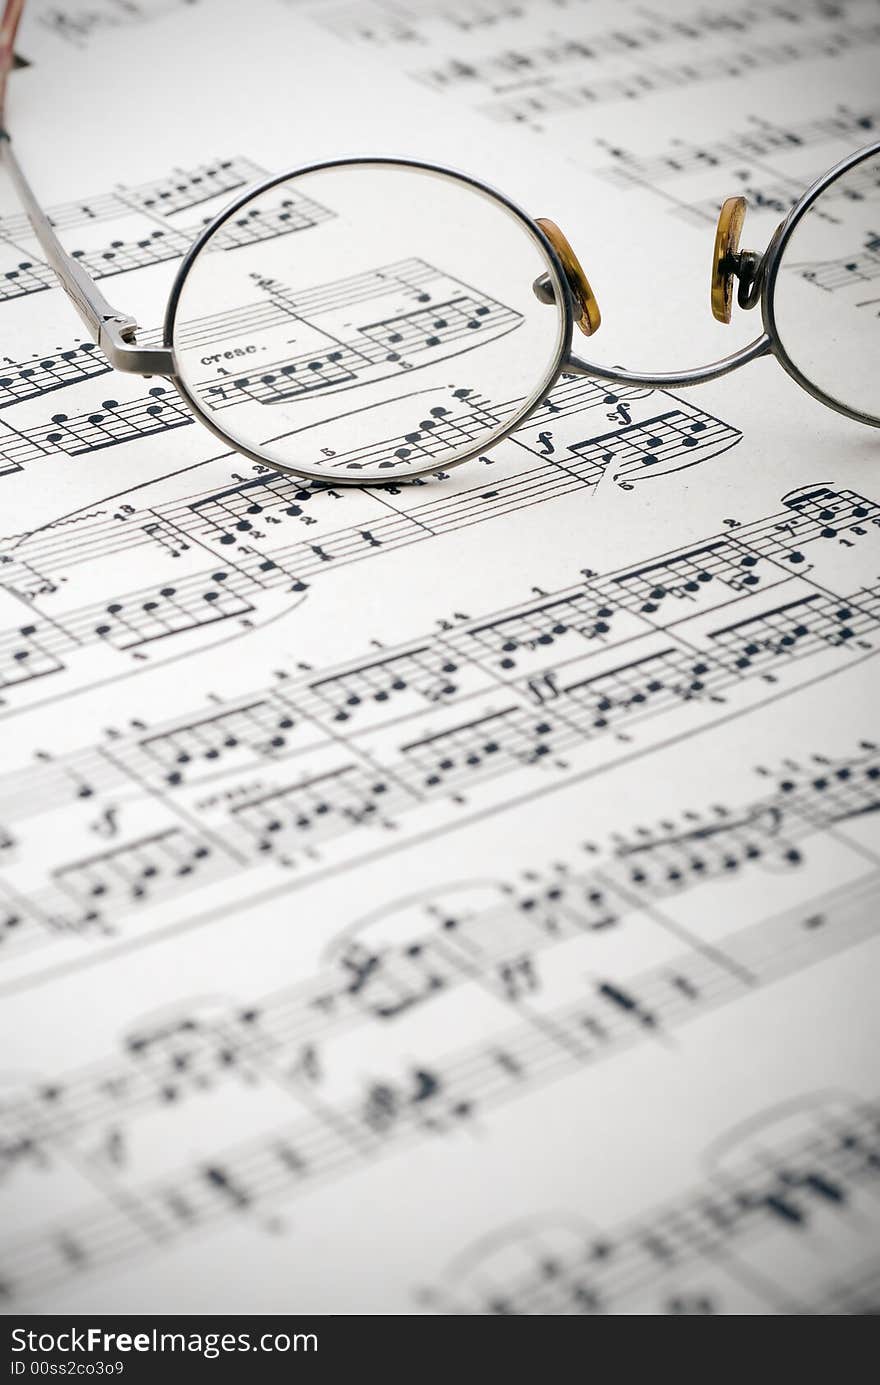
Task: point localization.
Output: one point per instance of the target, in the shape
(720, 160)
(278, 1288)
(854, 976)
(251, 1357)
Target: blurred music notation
(863, 267)
(323, 766)
(552, 997)
(77, 26)
(762, 160)
(537, 64)
(775, 1192)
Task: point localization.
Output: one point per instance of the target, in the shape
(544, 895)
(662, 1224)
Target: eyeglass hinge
(116, 338)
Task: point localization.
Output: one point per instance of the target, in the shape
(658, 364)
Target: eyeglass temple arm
(111, 330)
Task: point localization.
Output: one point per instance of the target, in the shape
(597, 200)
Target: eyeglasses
(395, 318)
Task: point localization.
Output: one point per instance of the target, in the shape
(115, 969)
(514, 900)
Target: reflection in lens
(367, 322)
(826, 300)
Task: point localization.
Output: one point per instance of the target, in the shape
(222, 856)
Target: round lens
(826, 293)
(367, 321)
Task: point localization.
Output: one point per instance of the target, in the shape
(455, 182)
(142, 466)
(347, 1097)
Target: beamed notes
(458, 895)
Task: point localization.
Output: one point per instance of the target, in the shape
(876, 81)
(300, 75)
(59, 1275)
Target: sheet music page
(453, 897)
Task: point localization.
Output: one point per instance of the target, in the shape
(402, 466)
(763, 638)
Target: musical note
(491, 857)
(138, 242)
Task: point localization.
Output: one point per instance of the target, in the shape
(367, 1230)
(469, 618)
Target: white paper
(472, 908)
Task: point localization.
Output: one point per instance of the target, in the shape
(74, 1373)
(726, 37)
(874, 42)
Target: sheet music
(458, 896)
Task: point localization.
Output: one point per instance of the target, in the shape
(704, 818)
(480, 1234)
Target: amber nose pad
(725, 256)
(587, 315)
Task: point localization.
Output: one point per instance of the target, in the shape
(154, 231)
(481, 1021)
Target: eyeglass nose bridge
(729, 264)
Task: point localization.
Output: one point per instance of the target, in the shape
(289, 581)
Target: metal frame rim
(772, 262)
(563, 308)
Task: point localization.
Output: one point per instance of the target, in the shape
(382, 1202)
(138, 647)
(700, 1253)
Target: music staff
(696, 1255)
(385, 973)
(332, 758)
(149, 225)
